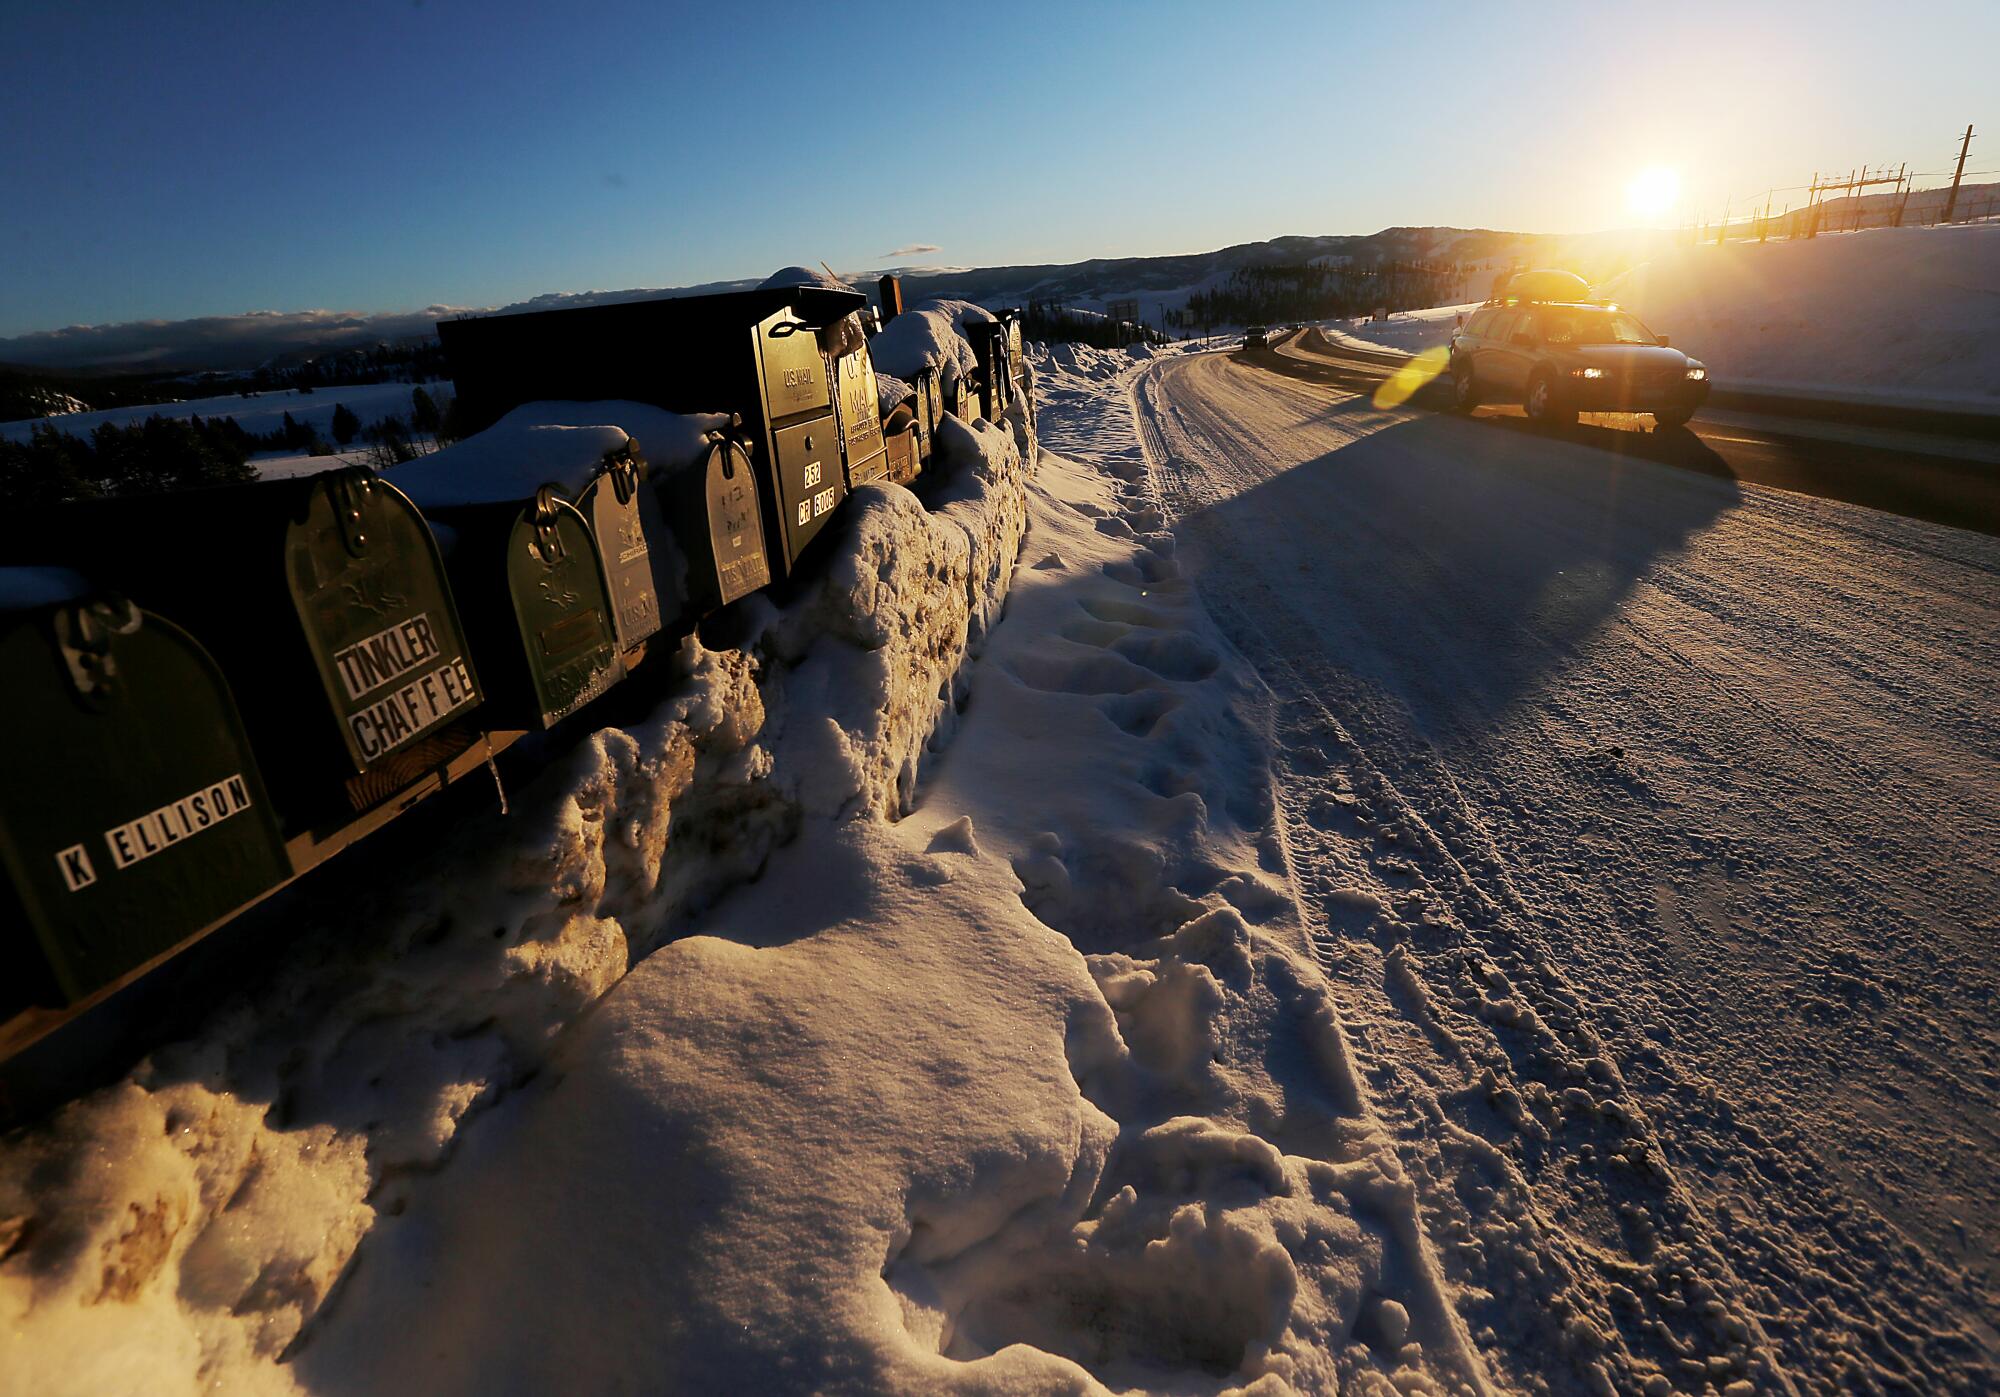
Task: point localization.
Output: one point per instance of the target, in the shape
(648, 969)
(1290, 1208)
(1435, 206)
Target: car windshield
(1593, 327)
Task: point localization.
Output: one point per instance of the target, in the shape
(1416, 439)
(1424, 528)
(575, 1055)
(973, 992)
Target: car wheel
(1672, 417)
(1542, 408)
(1464, 392)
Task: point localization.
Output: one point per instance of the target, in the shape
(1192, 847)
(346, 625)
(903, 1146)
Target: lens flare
(1653, 192)
(1403, 385)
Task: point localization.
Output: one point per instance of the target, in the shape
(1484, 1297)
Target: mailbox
(758, 354)
(325, 603)
(132, 814)
(859, 404)
(624, 520)
(904, 462)
(711, 508)
(930, 410)
(959, 398)
(531, 581)
(989, 347)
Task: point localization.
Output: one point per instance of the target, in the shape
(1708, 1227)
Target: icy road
(1663, 796)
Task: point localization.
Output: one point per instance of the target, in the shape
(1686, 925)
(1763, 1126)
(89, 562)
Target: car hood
(1623, 358)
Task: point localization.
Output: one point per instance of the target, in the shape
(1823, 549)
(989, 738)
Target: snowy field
(260, 412)
(1897, 315)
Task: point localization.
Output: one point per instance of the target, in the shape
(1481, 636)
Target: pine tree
(345, 424)
(423, 412)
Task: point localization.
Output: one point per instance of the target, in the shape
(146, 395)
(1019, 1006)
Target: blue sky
(169, 161)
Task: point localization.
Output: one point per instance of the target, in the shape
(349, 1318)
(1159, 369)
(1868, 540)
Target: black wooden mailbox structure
(757, 354)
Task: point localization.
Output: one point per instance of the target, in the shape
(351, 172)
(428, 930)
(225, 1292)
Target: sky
(162, 162)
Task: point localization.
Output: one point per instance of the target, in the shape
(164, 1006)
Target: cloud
(913, 250)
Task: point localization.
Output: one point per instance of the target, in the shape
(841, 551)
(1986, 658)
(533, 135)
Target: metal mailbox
(531, 587)
(758, 354)
(930, 410)
(711, 508)
(904, 462)
(624, 521)
(324, 601)
(132, 814)
(989, 347)
(859, 404)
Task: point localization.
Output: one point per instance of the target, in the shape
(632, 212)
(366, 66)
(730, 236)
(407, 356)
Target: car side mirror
(1523, 338)
(1666, 343)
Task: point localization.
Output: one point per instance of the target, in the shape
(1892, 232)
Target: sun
(1653, 191)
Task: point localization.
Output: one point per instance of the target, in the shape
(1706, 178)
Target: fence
(1836, 203)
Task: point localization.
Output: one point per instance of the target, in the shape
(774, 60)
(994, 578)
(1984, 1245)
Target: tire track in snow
(1202, 458)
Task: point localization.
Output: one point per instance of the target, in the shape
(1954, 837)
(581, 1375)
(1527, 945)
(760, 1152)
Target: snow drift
(178, 1231)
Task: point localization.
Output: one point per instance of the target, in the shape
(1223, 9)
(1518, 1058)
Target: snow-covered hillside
(1904, 312)
(1898, 315)
(259, 412)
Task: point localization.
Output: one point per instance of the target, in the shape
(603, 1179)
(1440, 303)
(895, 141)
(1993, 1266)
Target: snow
(260, 412)
(1902, 312)
(930, 333)
(1232, 890)
(1884, 315)
(1650, 847)
(24, 589)
(565, 444)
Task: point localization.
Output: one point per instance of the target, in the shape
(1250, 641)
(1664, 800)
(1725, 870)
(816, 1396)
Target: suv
(1557, 358)
(1256, 337)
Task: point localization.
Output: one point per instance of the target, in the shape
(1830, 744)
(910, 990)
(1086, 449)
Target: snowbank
(180, 1230)
(932, 333)
(1902, 311)
(1405, 331)
(552, 442)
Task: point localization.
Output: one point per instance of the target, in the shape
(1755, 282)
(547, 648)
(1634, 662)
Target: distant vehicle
(1256, 337)
(1558, 358)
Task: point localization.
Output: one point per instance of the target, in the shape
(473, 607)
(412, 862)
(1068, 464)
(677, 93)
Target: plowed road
(1708, 774)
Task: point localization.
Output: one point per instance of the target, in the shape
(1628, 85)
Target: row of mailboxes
(323, 600)
(756, 354)
(132, 812)
(343, 611)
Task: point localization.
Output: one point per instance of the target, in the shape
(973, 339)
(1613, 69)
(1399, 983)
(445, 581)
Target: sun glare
(1653, 191)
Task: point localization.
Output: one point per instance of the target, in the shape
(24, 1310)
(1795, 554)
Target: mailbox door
(735, 523)
(860, 418)
(562, 607)
(904, 463)
(806, 461)
(610, 505)
(792, 367)
(927, 411)
(378, 617)
(132, 815)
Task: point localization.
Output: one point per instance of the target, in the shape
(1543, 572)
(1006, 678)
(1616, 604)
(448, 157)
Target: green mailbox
(132, 813)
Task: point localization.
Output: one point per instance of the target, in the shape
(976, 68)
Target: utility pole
(1951, 203)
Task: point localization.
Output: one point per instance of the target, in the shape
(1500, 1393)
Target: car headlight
(1696, 373)
(1586, 373)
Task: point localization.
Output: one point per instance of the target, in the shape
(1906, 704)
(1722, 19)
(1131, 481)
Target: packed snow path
(1651, 821)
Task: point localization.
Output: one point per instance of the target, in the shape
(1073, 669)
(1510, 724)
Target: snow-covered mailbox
(325, 603)
(530, 578)
(756, 354)
(132, 815)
